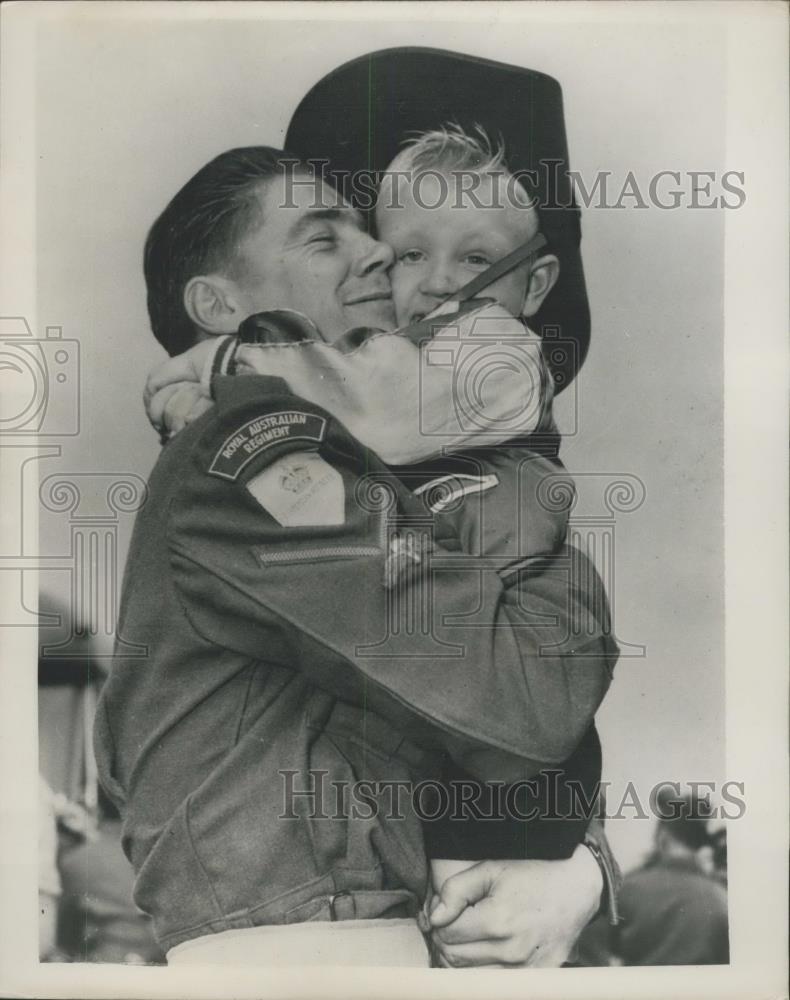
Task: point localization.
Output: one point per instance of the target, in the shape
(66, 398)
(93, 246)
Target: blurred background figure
(49, 887)
(719, 855)
(674, 907)
(85, 882)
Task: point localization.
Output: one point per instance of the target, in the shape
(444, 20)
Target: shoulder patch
(255, 436)
(300, 489)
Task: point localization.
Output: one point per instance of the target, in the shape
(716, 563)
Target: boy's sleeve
(505, 503)
(279, 536)
(476, 376)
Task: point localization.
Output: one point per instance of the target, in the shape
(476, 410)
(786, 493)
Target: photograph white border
(756, 499)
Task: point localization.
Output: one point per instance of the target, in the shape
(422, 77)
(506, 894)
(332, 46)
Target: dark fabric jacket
(275, 654)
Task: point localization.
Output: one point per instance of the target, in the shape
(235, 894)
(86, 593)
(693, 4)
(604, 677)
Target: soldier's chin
(379, 313)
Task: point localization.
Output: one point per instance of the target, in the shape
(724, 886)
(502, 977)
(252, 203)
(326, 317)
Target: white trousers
(340, 942)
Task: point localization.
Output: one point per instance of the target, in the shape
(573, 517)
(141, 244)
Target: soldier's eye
(319, 238)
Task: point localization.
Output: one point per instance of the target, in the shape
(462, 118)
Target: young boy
(446, 400)
(460, 214)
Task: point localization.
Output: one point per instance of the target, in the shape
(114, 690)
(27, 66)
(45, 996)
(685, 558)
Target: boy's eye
(477, 260)
(411, 257)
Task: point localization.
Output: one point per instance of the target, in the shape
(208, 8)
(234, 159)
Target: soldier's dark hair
(199, 232)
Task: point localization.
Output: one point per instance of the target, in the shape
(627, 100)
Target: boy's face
(440, 249)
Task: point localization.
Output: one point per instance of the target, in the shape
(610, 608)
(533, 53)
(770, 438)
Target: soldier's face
(312, 254)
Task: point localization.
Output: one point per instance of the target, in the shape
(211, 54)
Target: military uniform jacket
(278, 644)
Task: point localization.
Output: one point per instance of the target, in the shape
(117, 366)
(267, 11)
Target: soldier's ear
(214, 304)
(542, 278)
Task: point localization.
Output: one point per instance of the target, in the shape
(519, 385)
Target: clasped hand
(513, 913)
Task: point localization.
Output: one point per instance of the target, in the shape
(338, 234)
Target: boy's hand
(175, 392)
(176, 405)
(186, 367)
(515, 913)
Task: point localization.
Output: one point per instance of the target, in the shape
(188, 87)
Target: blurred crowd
(673, 907)
(86, 911)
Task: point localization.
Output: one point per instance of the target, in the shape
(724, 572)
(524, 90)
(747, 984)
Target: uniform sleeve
(507, 502)
(284, 545)
(477, 376)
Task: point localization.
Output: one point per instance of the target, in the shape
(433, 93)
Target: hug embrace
(353, 565)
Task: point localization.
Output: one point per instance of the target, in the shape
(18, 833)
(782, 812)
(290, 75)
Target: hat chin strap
(499, 269)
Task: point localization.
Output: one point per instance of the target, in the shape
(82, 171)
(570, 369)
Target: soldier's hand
(515, 913)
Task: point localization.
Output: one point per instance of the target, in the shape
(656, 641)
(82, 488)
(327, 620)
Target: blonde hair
(451, 149)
